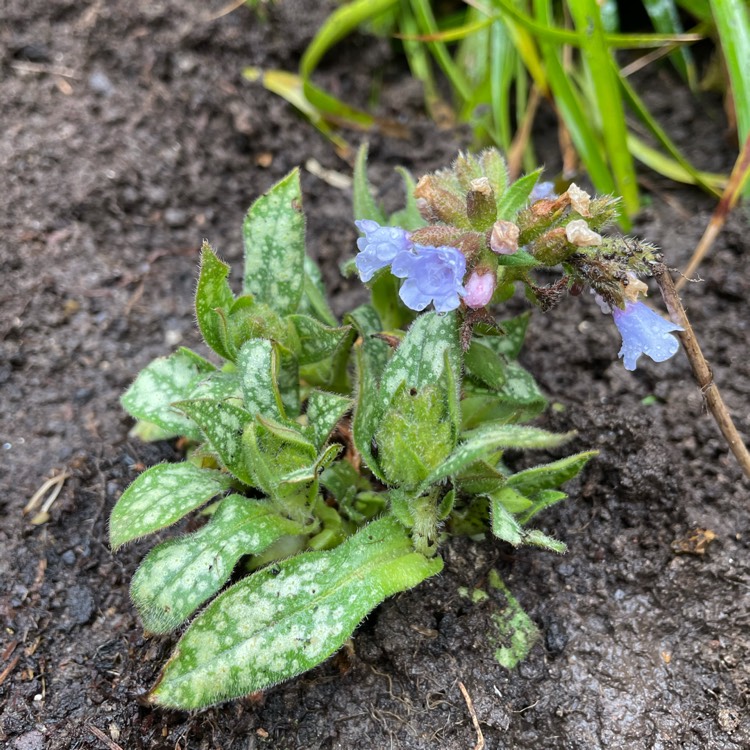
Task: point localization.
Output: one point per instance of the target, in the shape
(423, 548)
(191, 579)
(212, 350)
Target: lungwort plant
(330, 459)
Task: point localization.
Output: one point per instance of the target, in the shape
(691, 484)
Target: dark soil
(128, 134)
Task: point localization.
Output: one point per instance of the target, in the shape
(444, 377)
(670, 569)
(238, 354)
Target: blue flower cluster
(644, 332)
(432, 274)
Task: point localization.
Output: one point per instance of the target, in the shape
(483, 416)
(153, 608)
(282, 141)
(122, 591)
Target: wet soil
(128, 134)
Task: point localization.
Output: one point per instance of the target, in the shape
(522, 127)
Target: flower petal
(644, 332)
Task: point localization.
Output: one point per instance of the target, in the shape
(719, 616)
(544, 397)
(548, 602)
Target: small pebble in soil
(80, 605)
(68, 557)
(100, 84)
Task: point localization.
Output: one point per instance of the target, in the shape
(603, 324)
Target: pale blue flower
(542, 190)
(644, 332)
(379, 246)
(433, 274)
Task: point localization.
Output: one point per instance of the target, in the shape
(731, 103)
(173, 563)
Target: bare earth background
(128, 135)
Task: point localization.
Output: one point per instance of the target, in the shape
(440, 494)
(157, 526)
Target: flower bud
(579, 233)
(479, 288)
(480, 204)
(447, 207)
(504, 238)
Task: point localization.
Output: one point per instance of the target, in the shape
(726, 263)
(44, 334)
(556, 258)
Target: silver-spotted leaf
(274, 238)
(162, 383)
(160, 496)
(213, 293)
(316, 339)
(289, 617)
(257, 364)
(222, 424)
(179, 575)
(324, 411)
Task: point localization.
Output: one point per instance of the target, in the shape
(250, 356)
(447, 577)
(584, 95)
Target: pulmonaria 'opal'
(644, 332)
(433, 274)
(479, 288)
(379, 246)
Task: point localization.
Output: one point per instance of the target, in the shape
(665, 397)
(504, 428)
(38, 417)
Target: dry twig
(474, 719)
(701, 369)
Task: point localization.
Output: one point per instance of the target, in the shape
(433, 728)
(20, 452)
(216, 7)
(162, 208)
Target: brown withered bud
(447, 207)
(504, 238)
(480, 204)
(437, 236)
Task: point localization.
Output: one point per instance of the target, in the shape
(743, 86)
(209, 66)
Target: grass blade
(666, 19)
(598, 62)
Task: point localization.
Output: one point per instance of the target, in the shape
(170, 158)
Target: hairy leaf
(213, 293)
(274, 237)
(179, 575)
(289, 617)
(160, 496)
(162, 383)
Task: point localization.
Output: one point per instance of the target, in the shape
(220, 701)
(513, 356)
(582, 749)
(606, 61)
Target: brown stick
(701, 368)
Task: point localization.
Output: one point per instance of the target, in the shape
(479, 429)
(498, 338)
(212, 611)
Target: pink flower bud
(479, 288)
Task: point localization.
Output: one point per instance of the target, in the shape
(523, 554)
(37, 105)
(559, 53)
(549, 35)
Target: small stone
(33, 740)
(175, 217)
(80, 604)
(68, 557)
(99, 83)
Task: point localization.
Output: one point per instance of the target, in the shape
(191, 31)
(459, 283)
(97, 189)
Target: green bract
(333, 457)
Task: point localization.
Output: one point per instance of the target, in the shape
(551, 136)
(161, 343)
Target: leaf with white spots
(274, 238)
(420, 357)
(212, 294)
(161, 496)
(289, 617)
(314, 298)
(316, 340)
(179, 575)
(159, 385)
(222, 424)
(324, 411)
(257, 364)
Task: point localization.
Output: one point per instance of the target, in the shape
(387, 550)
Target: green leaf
(515, 632)
(409, 217)
(212, 293)
(548, 476)
(368, 408)
(274, 237)
(482, 442)
(222, 424)
(179, 575)
(504, 524)
(511, 338)
(516, 197)
(363, 203)
(540, 539)
(324, 411)
(511, 499)
(519, 259)
(162, 383)
(484, 364)
(258, 364)
(314, 299)
(289, 617)
(316, 339)
(543, 499)
(159, 497)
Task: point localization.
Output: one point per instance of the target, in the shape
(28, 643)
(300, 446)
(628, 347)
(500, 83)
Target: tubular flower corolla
(644, 332)
(542, 190)
(379, 246)
(433, 274)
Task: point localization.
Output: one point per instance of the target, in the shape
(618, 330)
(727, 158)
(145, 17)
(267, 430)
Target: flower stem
(701, 368)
